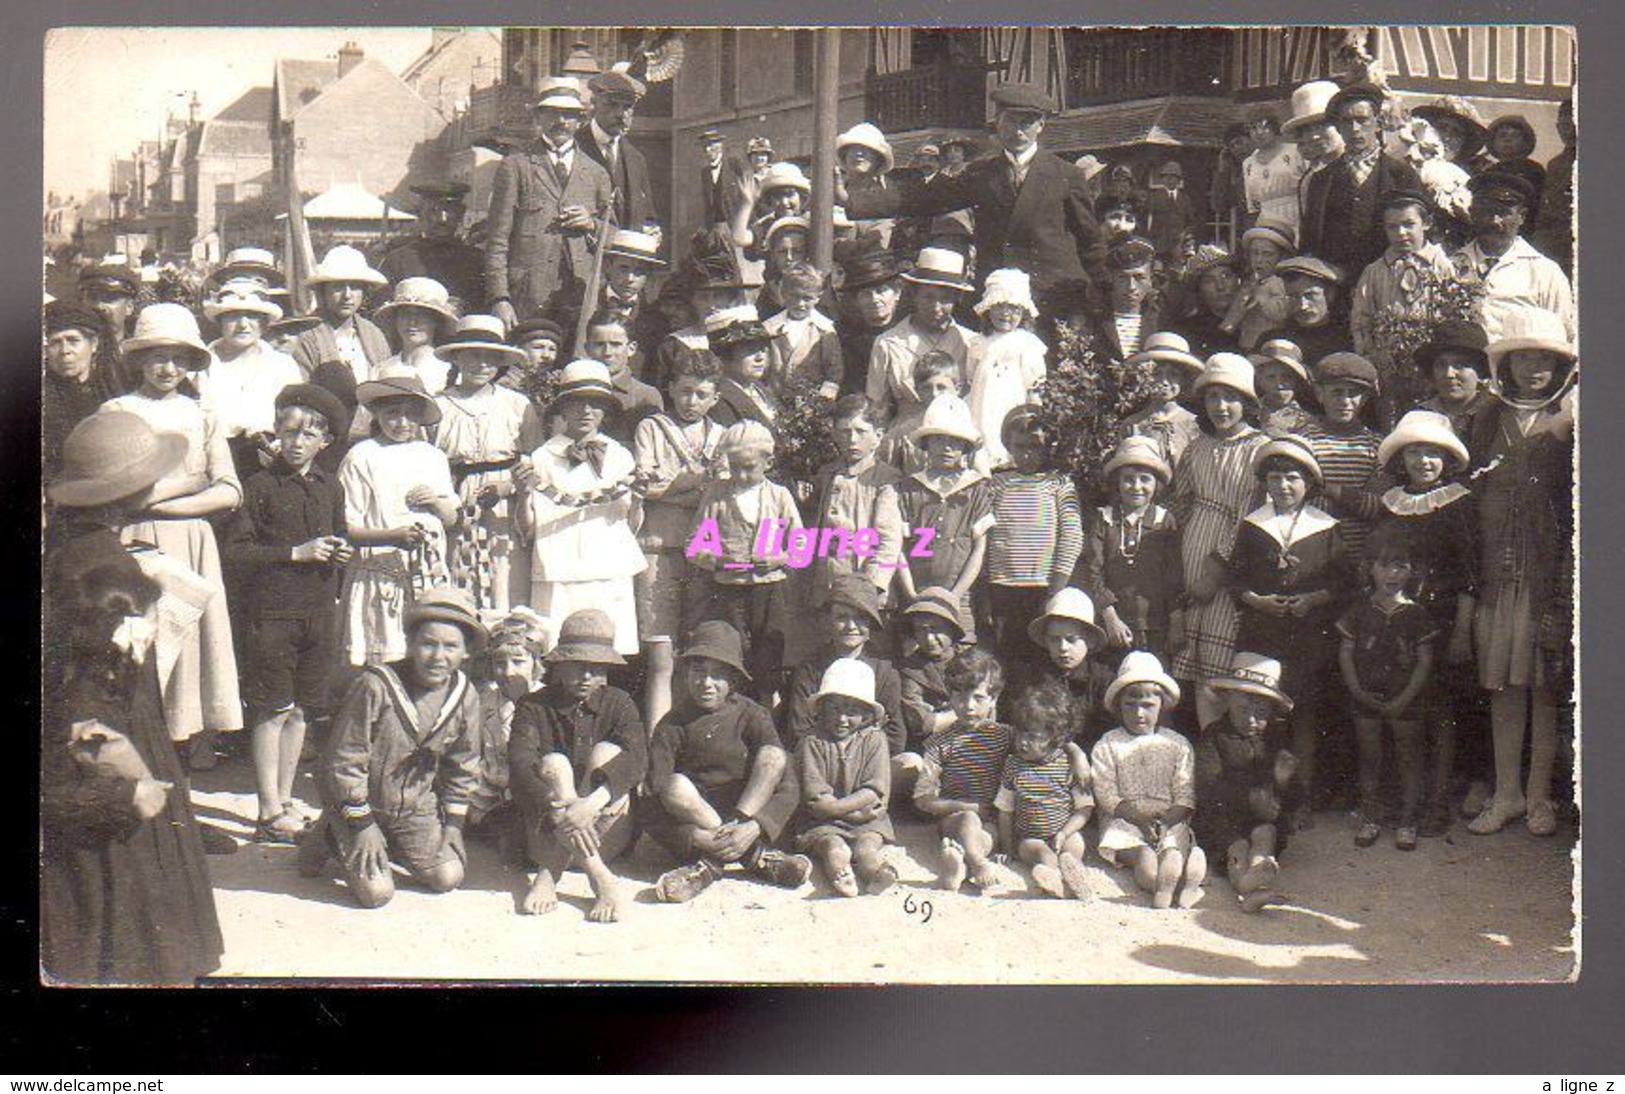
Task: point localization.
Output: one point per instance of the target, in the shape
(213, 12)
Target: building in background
(458, 60)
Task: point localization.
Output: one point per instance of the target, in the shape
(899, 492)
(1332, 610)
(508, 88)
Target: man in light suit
(544, 215)
(1032, 210)
(604, 138)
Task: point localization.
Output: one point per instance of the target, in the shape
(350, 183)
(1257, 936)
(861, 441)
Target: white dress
(585, 554)
(381, 581)
(242, 391)
(1005, 367)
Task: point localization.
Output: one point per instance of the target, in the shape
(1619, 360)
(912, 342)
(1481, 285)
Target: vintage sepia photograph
(836, 505)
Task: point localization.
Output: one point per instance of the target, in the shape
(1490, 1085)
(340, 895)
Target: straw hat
(1140, 667)
(445, 604)
(251, 263)
(947, 416)
(1255, 674)
(397, 380)
(1007, 287)
(784, 174)
(1137, 451)
(719, 641)
(1423, 427)
(1309, 103)
(560, 93)
(292, 324)
(1278, 232)
(1070, 603)
(1524, 328)
(638, 246)
(1292, 448)
(785, 224)
(1459, 112)
(1230, 370)
(852, 679)
(586, 379)
(1165, 345)
(939, 603)
(1283, 351)
(485, 333)
(940, 266)
(241, 295)
(735, 326)
(345, 264)
(867, 135)
(110, 455)
(587, 635)
(419, 292)
(167, 325)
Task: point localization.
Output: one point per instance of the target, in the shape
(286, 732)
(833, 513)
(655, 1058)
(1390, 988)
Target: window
(803, 50)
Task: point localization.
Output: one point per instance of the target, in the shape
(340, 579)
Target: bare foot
(1048, 880)
(882, 880)
(952, 875)
(845, 882)
(1074, 878)
(541, 897)
(1260, 875)
(607, 908)
(1189, 895)
(986, 876)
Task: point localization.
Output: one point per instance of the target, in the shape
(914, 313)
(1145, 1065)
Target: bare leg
(542, 896)
(1509, 711)
(1045, 864)
(293, 742)
(1145, 868)
(266, 747)
(1170, 868)
(835, 856)
(1542, 743)
(952, 875)
(658, 665)
(1190, 886)
(869, 862)
(1073, 879)
(967, 830)
(683, 801)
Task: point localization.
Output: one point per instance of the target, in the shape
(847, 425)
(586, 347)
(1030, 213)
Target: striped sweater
(1038, 530)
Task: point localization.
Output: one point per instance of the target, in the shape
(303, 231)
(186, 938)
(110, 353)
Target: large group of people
(503, 542)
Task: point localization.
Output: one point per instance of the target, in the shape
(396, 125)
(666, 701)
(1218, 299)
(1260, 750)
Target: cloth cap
(719, 641)
(587, 635)
(1140, 667)
(317, 398)
(959, 140)
(527, 329)
(1346, 366)
(110, 455)
(1355, 93)
(1022, 97)
(852, 679)
(1423, 427)
(446, 604)
(167, 325)
(613, 83)
(1137, 451)
(1009, 286)
(1070, 603)
(1255, 674)
(111, 274)
(1278, 232)
(1503, 187)
(939, 603)
(947, 416)
(1293, 448)
(345, 264)
(1311, 267)
(1172, 167)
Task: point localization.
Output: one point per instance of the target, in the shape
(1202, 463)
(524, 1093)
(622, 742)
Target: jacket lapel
(1030, 197)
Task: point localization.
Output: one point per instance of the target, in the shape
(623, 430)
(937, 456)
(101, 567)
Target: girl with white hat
(866, 159)
(1008, 362)
(1523, 627)
(1163, 417)
(950, 498)
(197, 663)
(845, 773)
(1214, 487)
(341, 282)
(245, 372)
(418, 317)
(484, 429)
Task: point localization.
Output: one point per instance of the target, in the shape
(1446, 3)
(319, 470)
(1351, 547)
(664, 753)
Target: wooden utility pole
(301, 255)
(826, 107)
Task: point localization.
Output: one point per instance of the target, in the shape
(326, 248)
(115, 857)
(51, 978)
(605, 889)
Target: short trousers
(671, 595)
(615, 829)
(416, 841)
(290, 663)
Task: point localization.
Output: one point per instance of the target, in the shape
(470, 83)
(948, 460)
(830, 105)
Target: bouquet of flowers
(802, 432)
(1399, 330)
(1081, 401)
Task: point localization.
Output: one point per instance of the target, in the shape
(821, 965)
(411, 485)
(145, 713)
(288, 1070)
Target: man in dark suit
(604, 139)
(545, 207)
(1032, 211)
(719, 179)
(1342, 203)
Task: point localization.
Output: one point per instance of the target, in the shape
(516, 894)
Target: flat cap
(616, 83)
(1503, 187)
(1022, 97)
(1311, 267)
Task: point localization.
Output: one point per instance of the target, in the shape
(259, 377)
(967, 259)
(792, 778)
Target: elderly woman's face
(241, 329)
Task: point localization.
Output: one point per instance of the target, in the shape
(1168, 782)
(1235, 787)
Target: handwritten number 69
(921, 908)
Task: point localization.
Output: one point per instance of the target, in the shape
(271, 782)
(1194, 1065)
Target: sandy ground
(1461, 908)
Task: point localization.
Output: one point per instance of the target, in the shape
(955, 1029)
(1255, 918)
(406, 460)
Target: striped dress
(1038, 529)
(964, 763)
(1214, 489)
(1349, 460)
(1041, 797)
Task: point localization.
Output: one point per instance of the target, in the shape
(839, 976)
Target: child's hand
(523, 475)
(492, 493)
(1118, 632)
(320, 549)
(578, 816)
(1263, 803)
(1286, 767)
(410, 535)
(421, 497)
(150, 797)
(370, 855)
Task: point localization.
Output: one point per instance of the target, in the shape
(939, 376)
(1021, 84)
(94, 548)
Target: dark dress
(122, 900)
(1229, 766)
(1316, 560)
(1138, 570)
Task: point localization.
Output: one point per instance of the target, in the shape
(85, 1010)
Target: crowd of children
(559, 604)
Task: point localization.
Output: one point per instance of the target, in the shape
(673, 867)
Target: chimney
(349, 56)
(192, 109)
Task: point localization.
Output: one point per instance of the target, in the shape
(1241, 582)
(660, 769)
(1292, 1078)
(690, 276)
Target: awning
(351, 201)
(1181, 122)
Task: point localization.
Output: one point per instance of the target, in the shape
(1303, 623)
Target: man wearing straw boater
(544, 214)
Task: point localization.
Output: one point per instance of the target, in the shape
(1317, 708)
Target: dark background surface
(1552, 1029)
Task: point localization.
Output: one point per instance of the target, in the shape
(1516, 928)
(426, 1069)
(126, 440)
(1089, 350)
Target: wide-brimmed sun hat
(446, 604)
(940, 266)
(1456, 110)
(1529, 328)
(857, 592)
(1069, 603)
(419, 292)
(1166, 345)
(241, 296)
(1423, 427)
(780, 175)
(1230, 370)
(345, 264)
(867, 135)
(938, 603)
(947, 416)
(110, 455)
(850, 679)
(397, 381)
(1140, 667)
(1255, 674)
(1137, 451)
(589, 636)
(485, 333)
(167, 325)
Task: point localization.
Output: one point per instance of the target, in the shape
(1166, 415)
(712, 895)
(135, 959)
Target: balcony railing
(927, 98)
(501, 111)
(1115, 66)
